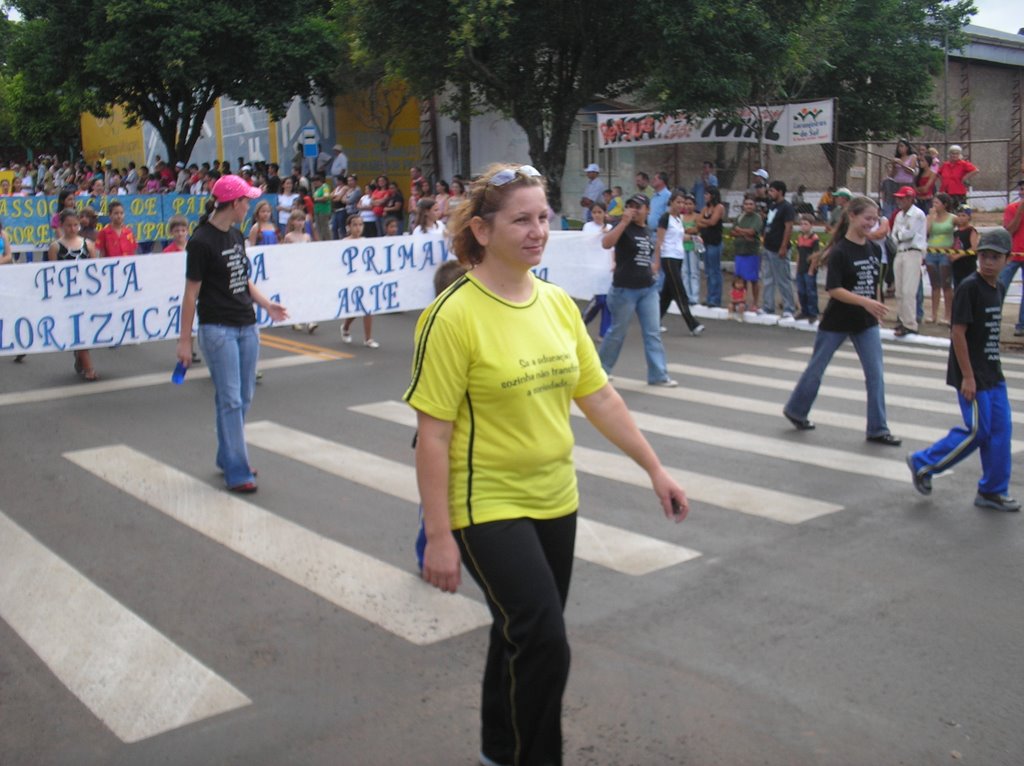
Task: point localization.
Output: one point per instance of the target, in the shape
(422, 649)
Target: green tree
(167, 62)
(539, 63)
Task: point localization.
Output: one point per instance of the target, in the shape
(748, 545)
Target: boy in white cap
(976, 372)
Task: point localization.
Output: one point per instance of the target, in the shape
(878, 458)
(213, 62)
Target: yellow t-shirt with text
(505, 374)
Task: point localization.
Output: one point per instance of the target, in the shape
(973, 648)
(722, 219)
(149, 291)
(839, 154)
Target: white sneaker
(667, 383)
(371, 343)
(697, 331)
(787, 314)
(299, 327)
(346, 337)
(663, 328)
(311, 327)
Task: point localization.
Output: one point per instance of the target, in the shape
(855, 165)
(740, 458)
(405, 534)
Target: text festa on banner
(104, 302)
(782, 125)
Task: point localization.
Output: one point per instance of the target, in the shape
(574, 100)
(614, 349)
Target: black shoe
(996, 502)
(922, 481)
(19, 358)
(887, 439)
(798, 424)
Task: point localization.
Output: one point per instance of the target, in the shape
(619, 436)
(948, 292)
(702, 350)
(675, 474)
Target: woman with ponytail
(852, 312)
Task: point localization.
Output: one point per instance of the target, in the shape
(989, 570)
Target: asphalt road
(812, 610)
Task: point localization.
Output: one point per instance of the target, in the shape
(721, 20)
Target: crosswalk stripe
(133, 678)
(706, 398)
(920, 364)
(848, 373)
(734, 496)
(846, 393)
(941, 353)
(617, 549)
(396, 600)
(135, 381)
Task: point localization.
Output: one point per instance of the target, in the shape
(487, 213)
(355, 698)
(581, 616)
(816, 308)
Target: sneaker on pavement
(787, 314)
(996, 502)
(663, 328)
(922, 481)
(697, 331)
(798, 423)
(667, 383)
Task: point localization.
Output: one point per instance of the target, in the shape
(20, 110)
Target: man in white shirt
(910, 230)
(594, 191)
(339, 165)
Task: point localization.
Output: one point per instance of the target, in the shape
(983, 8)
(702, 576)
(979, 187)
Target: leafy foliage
(167, 62)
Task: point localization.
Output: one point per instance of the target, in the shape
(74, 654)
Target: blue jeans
(623, 302)
(691, 275)
(713, 269)
(776, 273)
(868, 344)
(988, 426)
(807, 292)
(231, 354)
(1005, 278)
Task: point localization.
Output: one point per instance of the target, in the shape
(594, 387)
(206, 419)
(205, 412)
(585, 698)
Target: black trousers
(672, 290)
(523, 566)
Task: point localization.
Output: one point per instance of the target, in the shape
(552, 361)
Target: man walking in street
(975, 371)
(910, 230)
(775, 258)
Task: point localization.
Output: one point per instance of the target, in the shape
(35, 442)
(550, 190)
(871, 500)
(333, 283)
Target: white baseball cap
(593, 167)
(761, 173)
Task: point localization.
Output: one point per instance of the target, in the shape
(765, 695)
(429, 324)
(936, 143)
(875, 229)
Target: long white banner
(783, 125)
(71, 305)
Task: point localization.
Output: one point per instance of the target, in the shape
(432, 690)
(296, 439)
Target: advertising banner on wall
(108, 302)
(783, 125)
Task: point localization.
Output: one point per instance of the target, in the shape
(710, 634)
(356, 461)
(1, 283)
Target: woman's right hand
(184, 351)
(442, 564)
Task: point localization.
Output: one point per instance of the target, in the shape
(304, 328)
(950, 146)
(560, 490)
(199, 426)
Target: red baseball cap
(906, 191)
(229, 188)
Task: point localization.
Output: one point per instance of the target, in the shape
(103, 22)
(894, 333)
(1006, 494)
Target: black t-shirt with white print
(979, 306)
(634, 255)
(218, 260)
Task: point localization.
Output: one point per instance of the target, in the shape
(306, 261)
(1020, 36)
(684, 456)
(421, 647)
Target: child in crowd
(807, 244)
(296, 233)
(391, 227)
(354, 228)
(738, 299)
(965, 237)
(72, 246)
(177, 228)
(425, 218)
(599, 303)
(116, 238)
(263, 231)
(615, 206)
(88, 219)
(975, 371)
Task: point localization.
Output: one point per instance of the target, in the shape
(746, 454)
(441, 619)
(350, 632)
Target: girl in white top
(426, 218)
(285, 201)
(669, 252)
(599, 303)
(354, 228)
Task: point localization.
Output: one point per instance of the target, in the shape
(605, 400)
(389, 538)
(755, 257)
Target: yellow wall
(119, 143)
(357, 133)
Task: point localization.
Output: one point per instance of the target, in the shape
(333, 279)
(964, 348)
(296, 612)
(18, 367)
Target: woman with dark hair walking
(669, 251)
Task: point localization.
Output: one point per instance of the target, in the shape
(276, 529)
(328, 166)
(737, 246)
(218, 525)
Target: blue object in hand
(178, 376)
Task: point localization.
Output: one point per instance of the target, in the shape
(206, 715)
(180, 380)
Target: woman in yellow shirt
(500, 357)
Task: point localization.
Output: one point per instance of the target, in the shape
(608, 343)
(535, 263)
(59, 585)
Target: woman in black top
(710, 224)
(217, 275)
(852, 312)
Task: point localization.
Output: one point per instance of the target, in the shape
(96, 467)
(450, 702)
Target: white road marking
(847, 393)
(396, 600)
(920, 364)
(617, 549)
(136, 381)
(133, 678)
(843, 420)
(723, 493)
(849, 373)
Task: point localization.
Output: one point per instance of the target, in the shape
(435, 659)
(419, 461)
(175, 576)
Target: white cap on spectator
(593, 167)
(761, 173)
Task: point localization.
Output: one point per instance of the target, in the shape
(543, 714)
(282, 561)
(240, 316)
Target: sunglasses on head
(508, 175)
